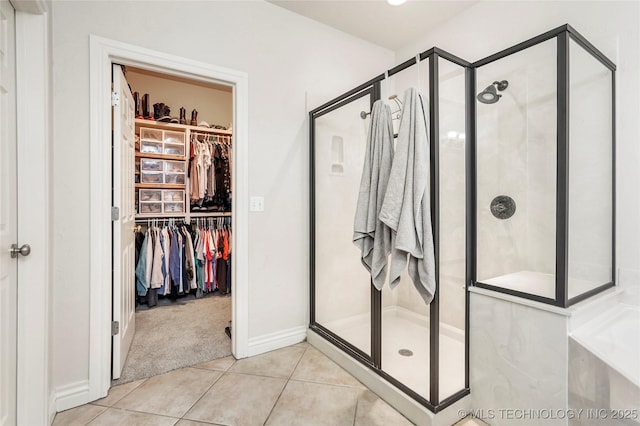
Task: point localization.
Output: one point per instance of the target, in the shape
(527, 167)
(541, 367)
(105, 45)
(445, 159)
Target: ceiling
(376, 21)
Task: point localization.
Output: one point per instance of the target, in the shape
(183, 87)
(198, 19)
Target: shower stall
(420, 348)
(521, 185)
(544, 181)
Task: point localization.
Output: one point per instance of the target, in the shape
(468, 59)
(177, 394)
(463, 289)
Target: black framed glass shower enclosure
(545, 170)
(420, 348)
(522, 186)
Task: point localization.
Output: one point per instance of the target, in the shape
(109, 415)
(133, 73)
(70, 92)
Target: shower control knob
(503, 207)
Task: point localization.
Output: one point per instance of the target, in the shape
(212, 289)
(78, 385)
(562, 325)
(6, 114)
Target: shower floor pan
(539, 283)
(404, 331)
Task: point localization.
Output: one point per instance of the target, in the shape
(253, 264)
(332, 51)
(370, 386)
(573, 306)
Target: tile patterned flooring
(296, 385)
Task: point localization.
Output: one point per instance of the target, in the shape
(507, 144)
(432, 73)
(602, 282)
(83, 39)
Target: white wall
(255, 37)
(214, 104)
(614, 28)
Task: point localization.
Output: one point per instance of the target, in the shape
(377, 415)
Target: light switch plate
(256, 204)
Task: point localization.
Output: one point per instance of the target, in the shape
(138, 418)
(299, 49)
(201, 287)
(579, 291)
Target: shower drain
(405, 352)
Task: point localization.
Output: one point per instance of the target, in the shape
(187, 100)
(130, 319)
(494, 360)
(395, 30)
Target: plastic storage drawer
(150, 207)
(146, 195)
(153, 177)
(175, 166)
(151, 165)
(151, 147)
(175, 195)
(147, 134)
(173, 207)
(174, 137)
(173, 149)
(172, 178)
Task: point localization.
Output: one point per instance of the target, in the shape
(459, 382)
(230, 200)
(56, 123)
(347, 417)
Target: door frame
(35, 396)
(104, 52)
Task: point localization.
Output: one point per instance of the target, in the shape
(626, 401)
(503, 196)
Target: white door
(124, 308)
(8, 216)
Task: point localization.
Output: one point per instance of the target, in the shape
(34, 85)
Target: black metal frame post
(434, 180)
(470, 161)
(562, 170)
(376, 295)
(312, 220)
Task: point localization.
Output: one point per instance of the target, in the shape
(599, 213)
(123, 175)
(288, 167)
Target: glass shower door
(516, 150)
(342, 289)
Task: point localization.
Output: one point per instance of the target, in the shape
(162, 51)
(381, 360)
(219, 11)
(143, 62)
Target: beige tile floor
(296, 385)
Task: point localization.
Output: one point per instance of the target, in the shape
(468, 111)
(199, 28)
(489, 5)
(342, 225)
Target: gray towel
(406, 207)
(369, 233)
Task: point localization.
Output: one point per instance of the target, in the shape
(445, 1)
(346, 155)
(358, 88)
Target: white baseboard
(273, 341)
(72, 395)
(52, 408)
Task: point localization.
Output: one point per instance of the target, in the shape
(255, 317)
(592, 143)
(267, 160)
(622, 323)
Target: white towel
(369, 233)
(406, 207)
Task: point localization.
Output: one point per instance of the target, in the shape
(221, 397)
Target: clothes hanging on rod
(174, 258)
(210, 169)
(213, 250)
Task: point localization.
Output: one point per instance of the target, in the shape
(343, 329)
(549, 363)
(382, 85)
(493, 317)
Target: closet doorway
(103, 54)
(173, 140)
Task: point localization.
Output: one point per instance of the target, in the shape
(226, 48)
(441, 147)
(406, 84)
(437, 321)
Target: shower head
(490, 95)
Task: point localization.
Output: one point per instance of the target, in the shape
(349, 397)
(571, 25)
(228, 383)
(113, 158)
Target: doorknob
(25, 250)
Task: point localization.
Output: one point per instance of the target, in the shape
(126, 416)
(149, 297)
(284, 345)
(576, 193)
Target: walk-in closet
(175, 310)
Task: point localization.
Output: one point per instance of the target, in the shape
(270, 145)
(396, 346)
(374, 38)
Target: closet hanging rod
(215, 138)
(158, 218)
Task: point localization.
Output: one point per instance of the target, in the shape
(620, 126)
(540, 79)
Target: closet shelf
(211, 214)
(187, 216)
(160, 186)
(160, 156)
(180, 127)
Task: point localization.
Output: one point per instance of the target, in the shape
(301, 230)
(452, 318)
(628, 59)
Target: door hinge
(115, 213)
(115, 99)
(115, 328)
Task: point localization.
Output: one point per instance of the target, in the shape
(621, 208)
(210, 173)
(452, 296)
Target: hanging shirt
(193, 171)
(191, 268)
(211, 174)
(204, 163)
(166, 246)
(211, 257)
(149, 259)
(175, 260)
(197, 252)
(157, 277)
(141, 269)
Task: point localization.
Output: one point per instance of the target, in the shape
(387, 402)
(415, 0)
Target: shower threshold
(402, 331)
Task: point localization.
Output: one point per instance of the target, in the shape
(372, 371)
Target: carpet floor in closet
(179, 334)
